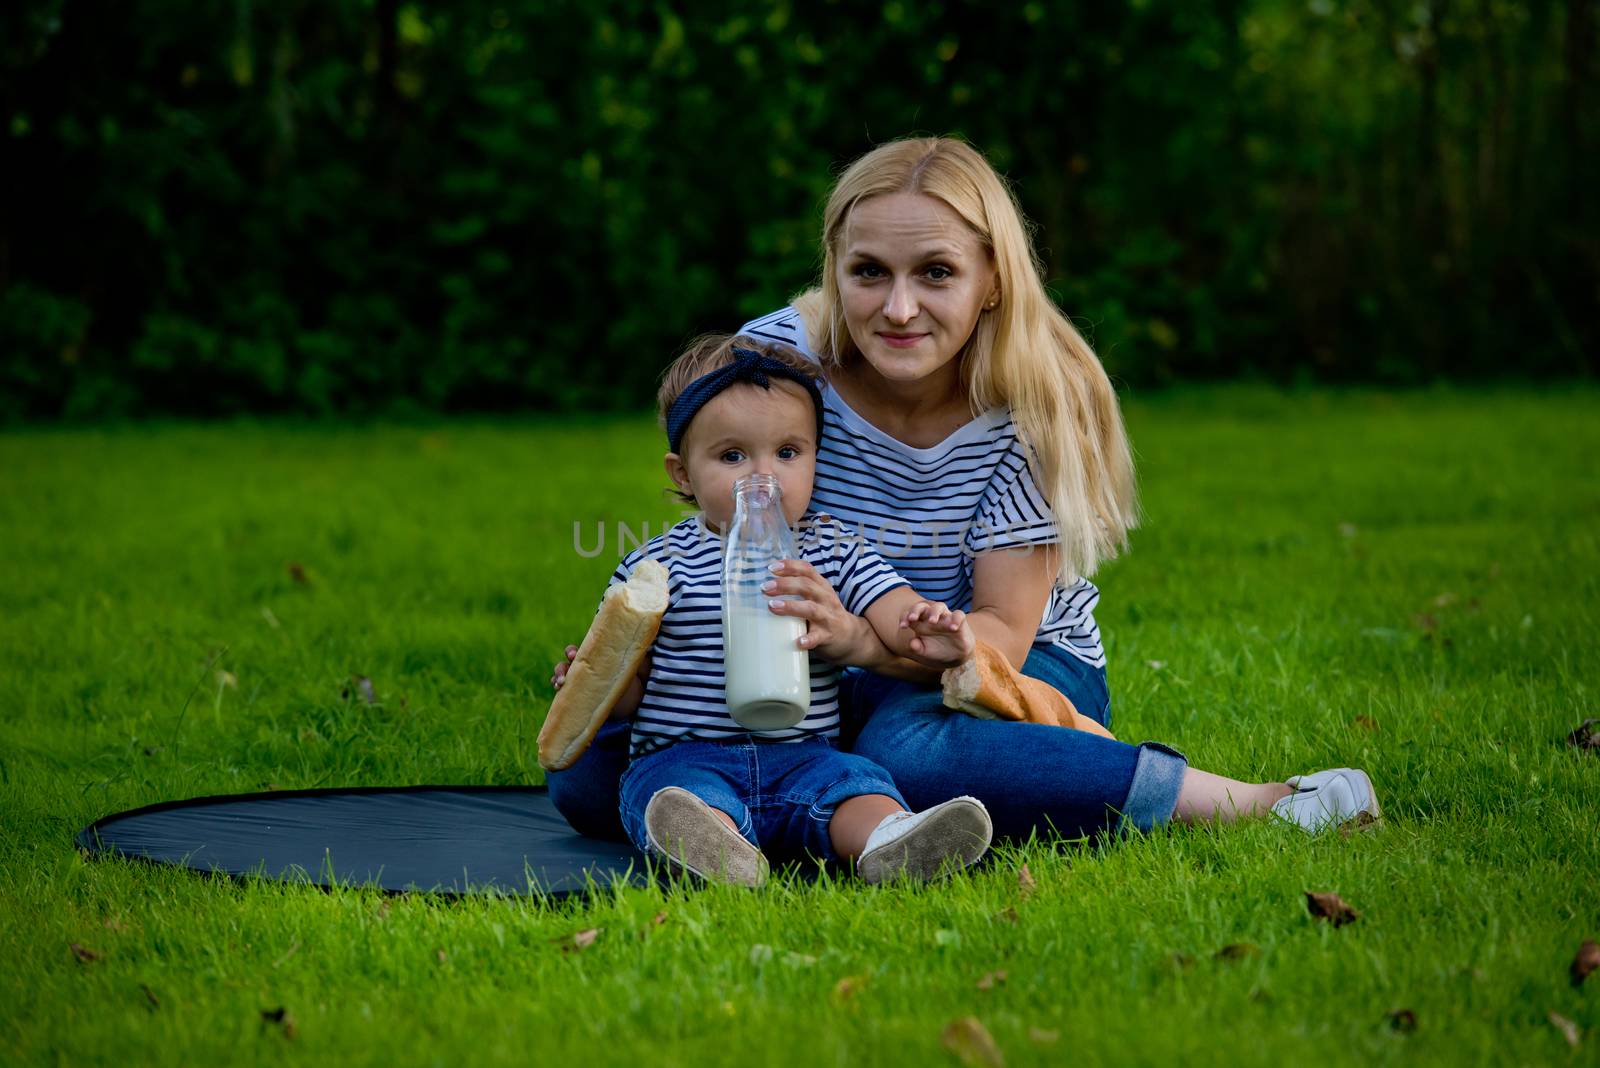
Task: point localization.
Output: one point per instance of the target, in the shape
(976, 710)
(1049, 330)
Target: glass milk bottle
(768, 676)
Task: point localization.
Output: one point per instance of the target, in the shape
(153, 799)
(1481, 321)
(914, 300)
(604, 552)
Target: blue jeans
(781, 795)
(1028, 776)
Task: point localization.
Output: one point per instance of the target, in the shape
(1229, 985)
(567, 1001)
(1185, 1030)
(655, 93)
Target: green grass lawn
(1401, 582)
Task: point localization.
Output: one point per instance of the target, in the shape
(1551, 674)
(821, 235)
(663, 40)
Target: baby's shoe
(920, 844)
(1329, 798)
(692, 837)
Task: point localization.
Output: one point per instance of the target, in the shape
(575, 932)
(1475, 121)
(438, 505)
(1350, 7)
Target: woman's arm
(908, 627)
(1010, 588)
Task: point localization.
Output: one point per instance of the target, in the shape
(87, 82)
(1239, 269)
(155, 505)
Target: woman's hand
(942, 635)
(560, 675)
(832, 632)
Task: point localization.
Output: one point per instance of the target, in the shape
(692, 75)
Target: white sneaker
(690, 835)
(1329, 798)
(919, 844)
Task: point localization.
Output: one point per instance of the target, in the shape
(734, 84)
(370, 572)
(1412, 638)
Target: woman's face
(913, 279)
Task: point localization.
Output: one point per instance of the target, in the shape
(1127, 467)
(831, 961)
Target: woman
(973, 432)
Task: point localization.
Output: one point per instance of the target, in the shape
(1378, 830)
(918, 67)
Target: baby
(702, 792)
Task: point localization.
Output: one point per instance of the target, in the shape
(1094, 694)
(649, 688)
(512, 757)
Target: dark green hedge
(349, 206)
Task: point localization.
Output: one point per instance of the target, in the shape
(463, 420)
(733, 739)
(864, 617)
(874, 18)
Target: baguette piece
(618, 639)
(988, 687)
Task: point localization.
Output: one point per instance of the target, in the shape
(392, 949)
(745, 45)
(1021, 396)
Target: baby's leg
(844, 807)
(856, 818)
(683, 805)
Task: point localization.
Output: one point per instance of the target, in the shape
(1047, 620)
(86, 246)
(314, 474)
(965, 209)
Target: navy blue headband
(747, 366)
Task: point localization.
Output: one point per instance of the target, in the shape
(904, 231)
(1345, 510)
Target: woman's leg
(587, 794)
(1203, 796)
(1030, 777)
(1040, 778)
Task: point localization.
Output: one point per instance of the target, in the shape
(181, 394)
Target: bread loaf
(618, 639)
(987, 686)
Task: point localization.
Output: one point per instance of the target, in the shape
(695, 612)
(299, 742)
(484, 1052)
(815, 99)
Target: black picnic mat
(440, 839)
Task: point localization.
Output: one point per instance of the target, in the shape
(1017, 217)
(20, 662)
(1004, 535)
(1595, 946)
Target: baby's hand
(941, 635)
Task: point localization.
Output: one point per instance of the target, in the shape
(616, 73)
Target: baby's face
(747, 430)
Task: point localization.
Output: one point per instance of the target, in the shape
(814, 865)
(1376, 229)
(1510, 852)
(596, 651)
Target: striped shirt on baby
(930, 511)
(685, 697)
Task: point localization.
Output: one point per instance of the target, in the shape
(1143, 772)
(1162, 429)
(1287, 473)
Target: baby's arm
(628, 703)
(929, 632)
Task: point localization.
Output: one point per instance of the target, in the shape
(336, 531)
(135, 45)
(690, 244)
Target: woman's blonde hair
(1023, 353)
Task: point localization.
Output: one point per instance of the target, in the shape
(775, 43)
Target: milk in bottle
(768, 675)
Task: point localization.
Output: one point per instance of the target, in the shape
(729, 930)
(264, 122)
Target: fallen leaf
(84, 953)
(1402, 1020)
(1587, 960)
(1569, 1030)
(272, 620)
(364, 688)
(440, 955)
(227, 679)
(1238, 951)
(655, 921)
(282, 1017)
(1025, 884)
(582, 940)
(150, 997)
(114, 923)
(849, 987)
(1587, 736)
(1007, 915)
(1366, 723)
(969, 1040)
(1156, 665)
(1362, 820)
(298, 573)
(383, 910)
(992, 980)
(1330, 907)
(1043, 1037)
(1445, 600)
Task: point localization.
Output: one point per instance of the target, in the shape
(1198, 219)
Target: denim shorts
(781, 795)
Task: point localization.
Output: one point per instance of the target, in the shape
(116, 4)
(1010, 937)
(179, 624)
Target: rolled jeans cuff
(1153, 793)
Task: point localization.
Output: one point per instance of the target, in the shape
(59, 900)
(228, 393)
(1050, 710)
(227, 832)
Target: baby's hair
(710, 352)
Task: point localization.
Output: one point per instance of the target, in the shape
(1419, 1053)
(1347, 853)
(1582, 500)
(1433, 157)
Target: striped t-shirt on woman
(930, 511)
